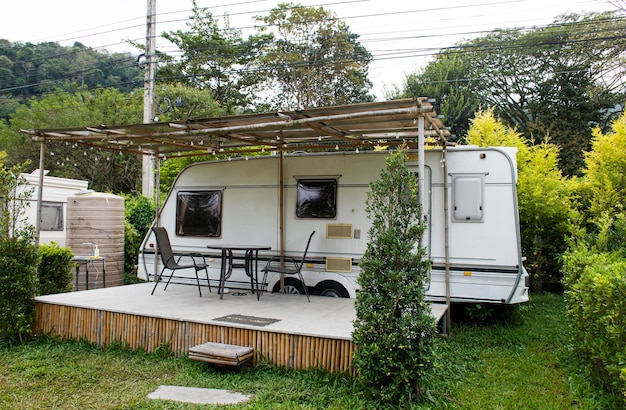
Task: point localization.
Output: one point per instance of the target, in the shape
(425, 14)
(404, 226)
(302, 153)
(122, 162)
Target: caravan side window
(199, 213)
(51, 216)
(316, 198)
(467, 198)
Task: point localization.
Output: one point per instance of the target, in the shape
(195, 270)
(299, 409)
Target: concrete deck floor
(322, 317)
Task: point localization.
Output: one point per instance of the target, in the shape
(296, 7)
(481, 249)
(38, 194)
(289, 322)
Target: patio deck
(285, 329)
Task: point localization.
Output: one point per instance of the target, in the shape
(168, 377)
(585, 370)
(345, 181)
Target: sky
(402, 35)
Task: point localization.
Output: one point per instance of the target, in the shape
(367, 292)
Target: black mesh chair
(296, 269)
(170, 262)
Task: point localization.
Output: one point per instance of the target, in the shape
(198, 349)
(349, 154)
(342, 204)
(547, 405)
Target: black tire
(331, 289)
(292, 287)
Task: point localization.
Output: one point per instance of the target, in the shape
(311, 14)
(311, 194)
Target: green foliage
(546, 208)
(179, 102)
(488, 131)
(313, 59)
(594, 267)
(604, 176)
(18, 259)
(595, 284)
(14, 195)
(139, 214)
(18, 282)
(394, 331)
(548, 82)
(215, 59)
(54, 271)
(448, 80)
(28, 70)
(107, 171)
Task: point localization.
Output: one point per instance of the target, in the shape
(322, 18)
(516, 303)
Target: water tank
(95, 223)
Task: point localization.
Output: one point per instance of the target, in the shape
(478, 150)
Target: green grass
(522, 360)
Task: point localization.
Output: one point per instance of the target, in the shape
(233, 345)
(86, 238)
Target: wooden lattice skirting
(102, 328)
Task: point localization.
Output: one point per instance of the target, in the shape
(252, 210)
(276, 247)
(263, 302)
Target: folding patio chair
(164, 247)
(295, 270)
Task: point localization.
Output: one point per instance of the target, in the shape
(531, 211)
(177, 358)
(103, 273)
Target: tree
(106, 171)
(27, 70)
(178, 102)
(552, 82)
(216, 59)
(448, 80)
(312, 60)
(394, 331)
(604, 177)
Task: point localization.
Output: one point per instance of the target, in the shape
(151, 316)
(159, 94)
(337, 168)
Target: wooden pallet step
(221, 353)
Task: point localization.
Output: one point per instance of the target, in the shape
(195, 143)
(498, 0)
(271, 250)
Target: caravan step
(221, 354)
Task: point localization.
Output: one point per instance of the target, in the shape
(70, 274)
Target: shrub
(394, 331)
(132, 241)
(18, 260)
(139, 214)
(595, 294)
(54, 272)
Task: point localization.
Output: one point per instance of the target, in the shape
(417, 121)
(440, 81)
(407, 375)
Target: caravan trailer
(239, 201)
(53, 226)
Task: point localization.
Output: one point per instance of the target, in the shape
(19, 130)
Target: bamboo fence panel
(150, 333)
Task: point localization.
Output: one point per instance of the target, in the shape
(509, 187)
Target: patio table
(250, 265)
(86, 261)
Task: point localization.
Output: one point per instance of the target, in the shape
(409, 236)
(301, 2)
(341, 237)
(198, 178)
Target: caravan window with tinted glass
(316, 198)
(199, 213)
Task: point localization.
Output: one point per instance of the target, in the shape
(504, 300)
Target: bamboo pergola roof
(317, 129)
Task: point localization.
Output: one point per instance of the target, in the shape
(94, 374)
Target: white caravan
(53, 205)
(238, 201)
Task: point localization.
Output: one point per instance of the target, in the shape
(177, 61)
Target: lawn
(520, 360)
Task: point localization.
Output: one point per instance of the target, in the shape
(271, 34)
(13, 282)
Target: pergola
(348, 127)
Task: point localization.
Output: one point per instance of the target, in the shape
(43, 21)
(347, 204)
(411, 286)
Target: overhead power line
(390, 53)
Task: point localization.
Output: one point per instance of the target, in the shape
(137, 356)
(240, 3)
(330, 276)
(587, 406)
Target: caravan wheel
(292, 287)
(331, 289)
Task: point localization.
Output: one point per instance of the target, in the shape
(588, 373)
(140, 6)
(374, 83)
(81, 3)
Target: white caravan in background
(238, 202)
(53, 206)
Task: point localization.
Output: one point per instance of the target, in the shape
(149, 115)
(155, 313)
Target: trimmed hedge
(18, 282)
(139, 214)
(595, 293)
(55, 269)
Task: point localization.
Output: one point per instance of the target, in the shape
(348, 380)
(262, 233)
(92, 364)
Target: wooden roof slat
(313, 129)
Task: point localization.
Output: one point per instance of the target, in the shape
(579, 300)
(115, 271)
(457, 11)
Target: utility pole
(147, 168)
